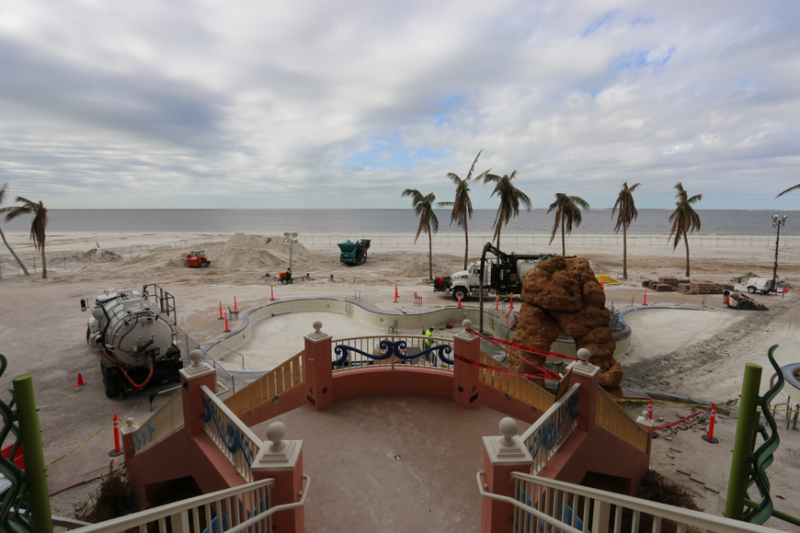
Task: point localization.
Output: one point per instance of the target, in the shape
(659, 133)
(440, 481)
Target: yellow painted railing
(517, 387)
(272, 384)
(613, 417)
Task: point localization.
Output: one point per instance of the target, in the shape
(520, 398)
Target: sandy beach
(700, 351)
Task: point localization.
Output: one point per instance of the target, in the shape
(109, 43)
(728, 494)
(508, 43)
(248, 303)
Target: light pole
(777, 222)
(291, 238)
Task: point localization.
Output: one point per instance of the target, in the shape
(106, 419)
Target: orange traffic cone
(80, 382)
(395, 293)
(459, 300)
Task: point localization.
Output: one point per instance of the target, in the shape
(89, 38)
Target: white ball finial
(195, 356)
(275, 433)
(584, 355)
(467, 324)
(645, 414)
(317, 326)
(508, 428)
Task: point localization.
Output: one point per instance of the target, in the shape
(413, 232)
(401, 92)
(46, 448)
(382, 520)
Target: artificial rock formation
(563, 295)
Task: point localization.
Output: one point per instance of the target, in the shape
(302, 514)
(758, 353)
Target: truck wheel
(460, 294)
(751, 290)
(121, 386)
(109, 384)
(87, 335)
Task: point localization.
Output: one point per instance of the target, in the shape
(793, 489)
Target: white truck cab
(762, 285)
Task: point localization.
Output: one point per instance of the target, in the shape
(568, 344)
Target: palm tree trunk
(686, 242)
(10, 249)
(44, 264)
(624, 251)
(563, 241)
(466, 243)
(430, 254)
(498, 238)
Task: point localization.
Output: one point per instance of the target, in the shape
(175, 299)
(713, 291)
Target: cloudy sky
(344, 104)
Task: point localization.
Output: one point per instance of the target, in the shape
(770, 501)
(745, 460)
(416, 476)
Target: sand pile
(417, 267)
(94, 255)
(257, 242)
(231, 258)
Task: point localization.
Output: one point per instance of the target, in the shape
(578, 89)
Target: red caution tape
(547, 374)
(536, 351)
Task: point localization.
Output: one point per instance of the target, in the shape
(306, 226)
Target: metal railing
(517, 387)
(544, 438)
(614, 418)
(269, 386)
(165, 421)
(544, 505)
(234, 439)
(243, 509)
(358, 351)
(571, 240)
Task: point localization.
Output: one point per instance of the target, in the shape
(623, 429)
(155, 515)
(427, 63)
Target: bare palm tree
(790, 189)
(38, 224)
(684, 219)
(3, 190)
(462, 206)
(510, 198)
(568, 212)
(627, 214)
(423, 206)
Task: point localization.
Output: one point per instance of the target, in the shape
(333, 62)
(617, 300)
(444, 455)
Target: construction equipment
(197, 259)
(505, 276)
(354, 253)
(762, 285)
(285, 277)
(135, 332)
(737, 300)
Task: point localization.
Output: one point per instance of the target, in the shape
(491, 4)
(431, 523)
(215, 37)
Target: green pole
(32, 454)
(743, 445)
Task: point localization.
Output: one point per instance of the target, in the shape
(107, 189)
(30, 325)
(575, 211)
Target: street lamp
(291, 238)
(777, 222)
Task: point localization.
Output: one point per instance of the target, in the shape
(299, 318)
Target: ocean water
(382, 222)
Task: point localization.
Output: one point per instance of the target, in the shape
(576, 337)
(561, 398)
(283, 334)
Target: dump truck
(354, 253)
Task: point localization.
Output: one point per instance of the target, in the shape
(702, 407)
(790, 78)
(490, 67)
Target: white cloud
(257, 104)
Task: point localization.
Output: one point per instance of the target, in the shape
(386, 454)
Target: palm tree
(38, 224)
(510, 198)
(790, 189)
(627, 214)
(462, 206)
(568, 212)
(684, 219)
(423, 206)
(8, 247)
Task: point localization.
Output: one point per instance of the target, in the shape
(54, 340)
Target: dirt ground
(695, 347)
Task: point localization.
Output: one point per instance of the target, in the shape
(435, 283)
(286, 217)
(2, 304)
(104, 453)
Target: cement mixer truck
(135, 333)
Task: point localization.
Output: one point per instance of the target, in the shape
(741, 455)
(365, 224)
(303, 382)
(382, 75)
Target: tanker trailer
(135, 333)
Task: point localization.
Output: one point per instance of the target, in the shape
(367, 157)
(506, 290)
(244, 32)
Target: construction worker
(429, 342)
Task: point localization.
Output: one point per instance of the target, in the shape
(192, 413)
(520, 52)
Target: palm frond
(790, 189)
(472, 168)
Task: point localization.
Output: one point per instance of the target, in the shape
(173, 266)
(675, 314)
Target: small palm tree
(627, 214)
(510, 198)
(462, 206)
(423, 206)
(684, 219)
(790, 189)
(568, 212)
(38, 224)
(3, 190)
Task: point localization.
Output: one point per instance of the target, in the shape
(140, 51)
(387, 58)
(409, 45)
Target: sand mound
(231, 258)
(417, 267)
(94, 255)
(257, 242)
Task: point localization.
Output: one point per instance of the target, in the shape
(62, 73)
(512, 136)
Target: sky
(319, 104)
